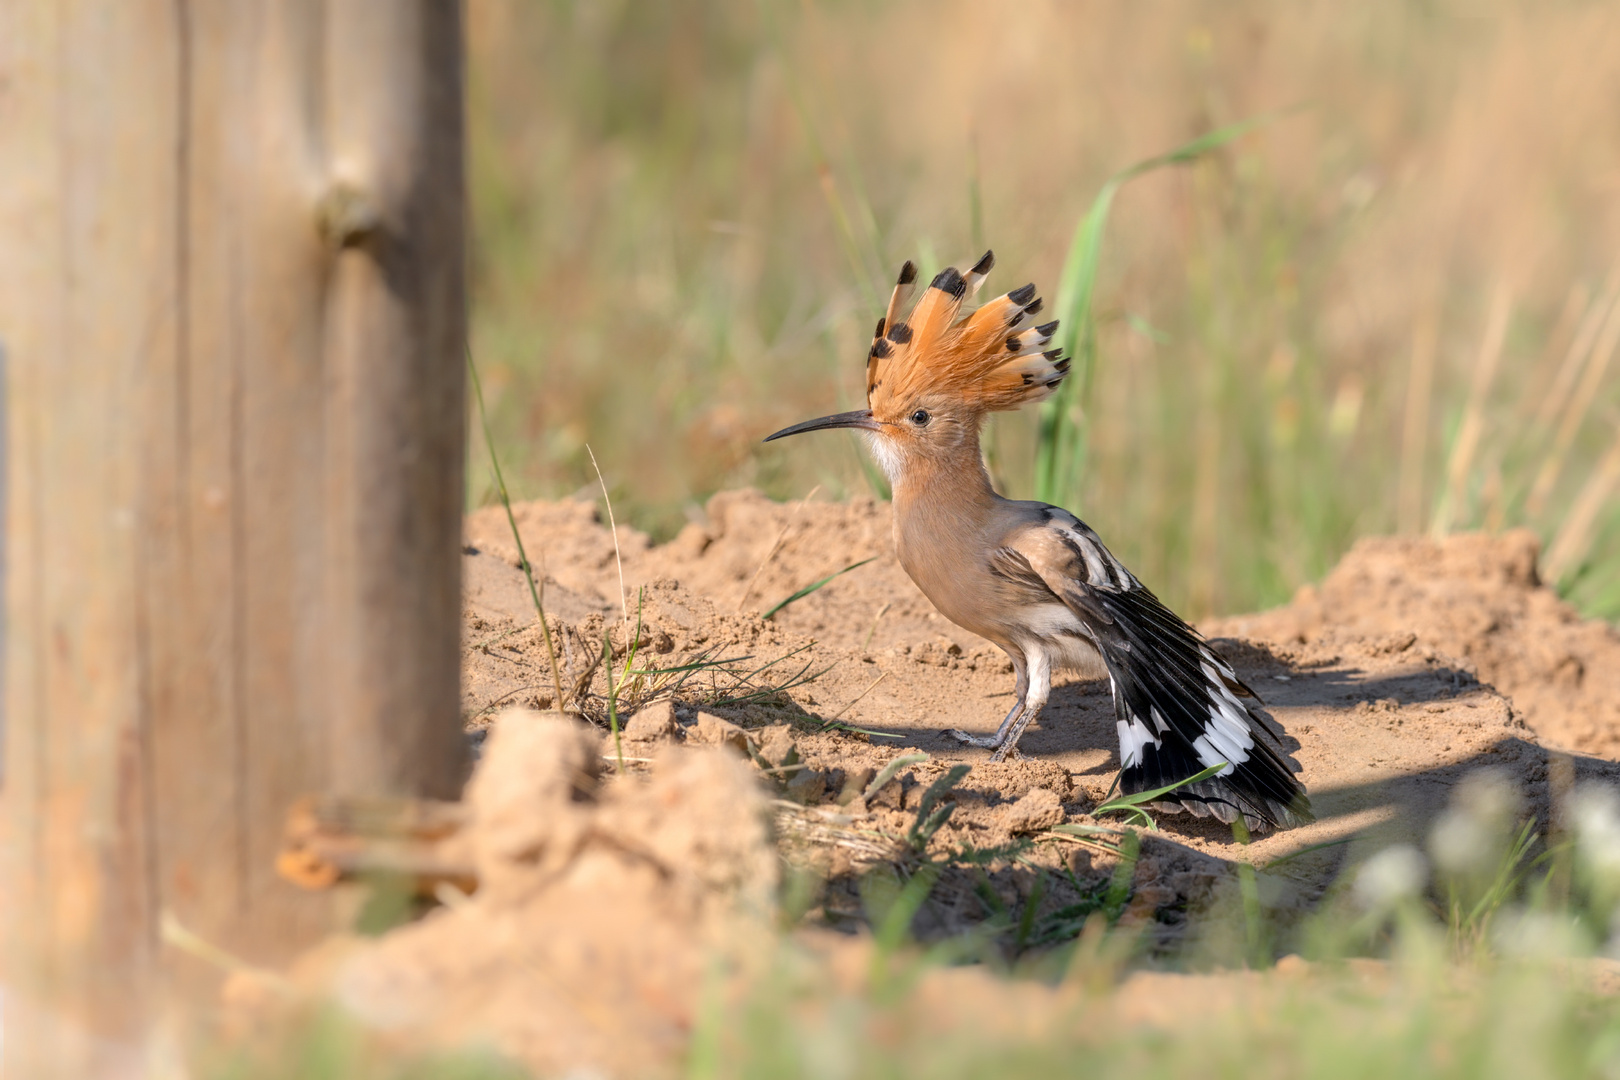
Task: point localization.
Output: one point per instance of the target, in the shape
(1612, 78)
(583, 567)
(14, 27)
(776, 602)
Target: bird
(1033, 578)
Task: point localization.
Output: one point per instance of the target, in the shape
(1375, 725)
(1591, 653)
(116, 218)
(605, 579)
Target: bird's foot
(1000, 751)
(984, 742)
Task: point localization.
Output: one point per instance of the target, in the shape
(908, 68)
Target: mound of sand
(1476, 601)
(746, 555)
(601, 909)
(1472, 601)
(1416, 628)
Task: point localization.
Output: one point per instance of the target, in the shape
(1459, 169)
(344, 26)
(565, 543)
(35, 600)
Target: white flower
(1488, 795)
(1397, 873)
(1594, 811)
(1461, 843)
(1544, 934)
(1472, 835)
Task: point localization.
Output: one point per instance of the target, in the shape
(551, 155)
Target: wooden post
(232, 311)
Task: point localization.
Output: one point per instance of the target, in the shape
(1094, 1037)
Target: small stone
(835, 780)
(653, 723)
(1038, 809)
(712, 730)
(807, 786)
(691, 541)
(1293, 965)
(1146, 899)
(855, 782)
(890, 796)
(776, 745)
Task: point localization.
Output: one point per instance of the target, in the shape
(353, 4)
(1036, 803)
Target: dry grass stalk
(1473, 425)
(1206, 507)
(536, 588)
(1579, 348)
(1574, 540)
(1415, 429)
(872, 630)
(624, 603)
(870, 687)
(1575, 413)
(806, 831)
(177, 935)
(1561, 336)
(1577, 327)
(1491, 496)
(1392, 240)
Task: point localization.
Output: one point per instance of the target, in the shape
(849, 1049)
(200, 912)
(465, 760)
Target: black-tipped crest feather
(949, 281)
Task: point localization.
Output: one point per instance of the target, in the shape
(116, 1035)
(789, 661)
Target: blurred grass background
(1390, 308)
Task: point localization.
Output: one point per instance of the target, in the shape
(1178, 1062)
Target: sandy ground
(1415, 664)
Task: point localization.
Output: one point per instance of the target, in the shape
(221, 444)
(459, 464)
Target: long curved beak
(860, 418)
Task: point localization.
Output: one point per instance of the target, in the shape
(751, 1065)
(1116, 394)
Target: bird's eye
(920, 417)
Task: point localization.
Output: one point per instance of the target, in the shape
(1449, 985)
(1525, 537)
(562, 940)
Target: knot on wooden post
(347, 216)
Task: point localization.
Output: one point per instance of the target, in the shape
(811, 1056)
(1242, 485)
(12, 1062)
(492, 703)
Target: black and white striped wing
(1179, 706)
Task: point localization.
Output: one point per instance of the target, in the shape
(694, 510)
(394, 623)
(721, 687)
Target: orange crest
(992, 359)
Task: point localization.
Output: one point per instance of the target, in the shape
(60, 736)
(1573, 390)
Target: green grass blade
(891, 770)
(1026, 921)
(799, 678)
(1060, 435)
(1131, 805)
(612, 699)
(1508, 877)
(1087, 830)
(772, 663)
(895, 924)
(1274, 863)
(517, 538)
(834, 725)
(1119, 884)
(928, 822)
(697, 665)
(1254, 930)
(635, 642)
(808, 589)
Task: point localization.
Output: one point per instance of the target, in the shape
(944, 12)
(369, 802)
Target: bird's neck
(946, 490)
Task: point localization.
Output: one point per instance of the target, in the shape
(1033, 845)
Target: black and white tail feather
(1181, 709)
(1179, 706)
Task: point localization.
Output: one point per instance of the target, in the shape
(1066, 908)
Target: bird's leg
(1040, 685)
(990, 742)
(995, 741)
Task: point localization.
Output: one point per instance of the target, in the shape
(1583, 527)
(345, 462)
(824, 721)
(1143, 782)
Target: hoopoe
(1035, 579)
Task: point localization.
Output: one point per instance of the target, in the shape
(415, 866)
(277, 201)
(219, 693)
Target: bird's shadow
(1079, 721)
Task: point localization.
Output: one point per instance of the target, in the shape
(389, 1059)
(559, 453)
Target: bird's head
(931, 377)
